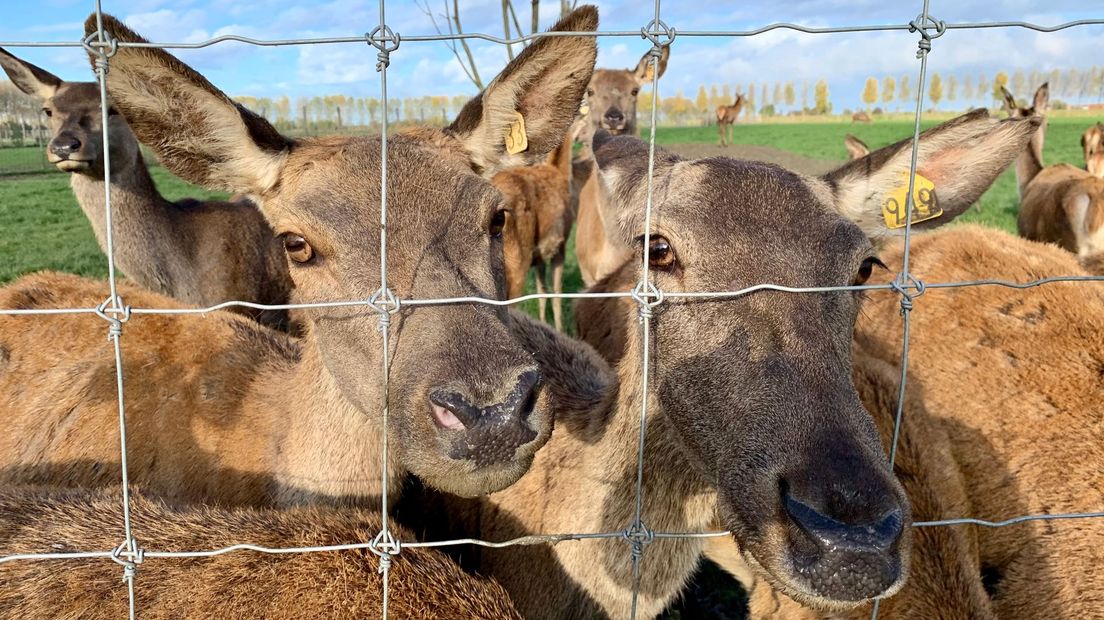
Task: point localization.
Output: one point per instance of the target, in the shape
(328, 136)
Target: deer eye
(48, 112)
(590, 92)
(297, 248)
(660, 253)
(635, 91)
(498, 222)
(112, 112)
(867, 268)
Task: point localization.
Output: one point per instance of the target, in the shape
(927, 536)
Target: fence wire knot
(385, 303)
(134, 556)
(109, 311)
(647, 296)
(922, 24)
(386, 41)
(653, 31)
(385, 546)
(902, 283)
(95, 46)
(638, 535)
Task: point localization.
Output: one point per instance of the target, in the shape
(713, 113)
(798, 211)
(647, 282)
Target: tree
(889, 88)
(968, 89)
(714, 97)
(935, 90)
(764, 96)
(804, 96)
(750, 100)
(903, 92)
(789, 95)
(701, 102)
(870, 93)
(952, 86)
(726, 94)
(999, 80)
(777, 97)
(1019, 82)
(823, 106)
(452, 22)
(982, 87)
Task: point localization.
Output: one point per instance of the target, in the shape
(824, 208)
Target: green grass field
(44, 228)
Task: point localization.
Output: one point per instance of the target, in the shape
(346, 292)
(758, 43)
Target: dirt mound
(786, 159)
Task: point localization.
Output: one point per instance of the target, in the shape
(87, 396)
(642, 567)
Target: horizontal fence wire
(116, 313)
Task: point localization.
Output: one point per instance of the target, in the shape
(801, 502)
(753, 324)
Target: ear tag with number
(516, 140)
(925, 205)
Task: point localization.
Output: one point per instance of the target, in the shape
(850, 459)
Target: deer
(1061, 203)
(861, 117)
(741, 423)
(1028, 439)
(856, 148)
(199, 252)
(223, 410)
(727, 116)
(1092, 143)
(541, 212)
(423, 583)
(611, 103)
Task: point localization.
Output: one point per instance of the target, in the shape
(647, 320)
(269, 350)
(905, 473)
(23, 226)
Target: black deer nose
(489, 434)
(614, 115)
(64, 146)
(872, 534)
(517, 405)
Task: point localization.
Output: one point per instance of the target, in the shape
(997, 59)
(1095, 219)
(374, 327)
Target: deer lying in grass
(423, 583)
(199, 252)
(856, 148)
(223, 410)
(1092, 143)
(1028, 439)
(726, 118)
(611, 99)
(1061, 204)
(861, 117)
(541, 212)
(753, 412)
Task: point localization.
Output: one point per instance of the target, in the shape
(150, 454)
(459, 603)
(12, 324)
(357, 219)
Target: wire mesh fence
(637, 535)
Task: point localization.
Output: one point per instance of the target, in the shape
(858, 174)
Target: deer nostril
(65, 146)
(451, 410)
(877, 534)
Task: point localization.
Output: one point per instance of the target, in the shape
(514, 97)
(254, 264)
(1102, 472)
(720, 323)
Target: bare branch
(517, 24)
(506, 27)
(471, 72)
(536, 16)
(464, 43)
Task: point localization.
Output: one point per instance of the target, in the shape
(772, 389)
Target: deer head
(758, 389)
(612, 93)
(468, 410)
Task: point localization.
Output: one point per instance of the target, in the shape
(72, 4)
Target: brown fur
(223, 410)
(727, 115)
(611, 97)
(423, 583)
(1092, 143)
(199, 252)
(726, 419)
(861, 117)
(541, 212)
(1015, 375)
(1061, 203)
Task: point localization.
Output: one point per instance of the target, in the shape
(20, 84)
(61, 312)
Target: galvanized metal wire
(647, 296)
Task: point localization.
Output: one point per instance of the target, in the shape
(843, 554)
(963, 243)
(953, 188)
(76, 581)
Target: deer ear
(643, 71)
(197, 131)
(524, 113)
(855, 148)
(956, 162)
(1042, 98)
(29, 78)
(1009, 101)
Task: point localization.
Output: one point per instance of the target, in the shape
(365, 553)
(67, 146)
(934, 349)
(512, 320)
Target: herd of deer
(770, 414)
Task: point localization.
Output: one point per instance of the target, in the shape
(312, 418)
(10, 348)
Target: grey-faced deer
(753, 411)
(221, 409)
(727, 116)
(1092, 143)
(199, 252)
(856, 148)
(611, 99)
(1017, 382)
(541, 211)
(423, 583)
(1060, 204)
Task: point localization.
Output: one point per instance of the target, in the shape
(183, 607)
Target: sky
(429, 68)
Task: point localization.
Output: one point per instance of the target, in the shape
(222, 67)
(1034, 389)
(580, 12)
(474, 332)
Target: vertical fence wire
(386, 304)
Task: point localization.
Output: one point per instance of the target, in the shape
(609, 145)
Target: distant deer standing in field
(727, 116)
(199, 252)
(1062, 203)
(611, 98)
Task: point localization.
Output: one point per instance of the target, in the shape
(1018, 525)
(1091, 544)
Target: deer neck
(325, 446)
(1030, 162)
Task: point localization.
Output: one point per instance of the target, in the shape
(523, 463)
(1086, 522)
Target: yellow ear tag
(584, 110)
(516, 140)
(925, 205)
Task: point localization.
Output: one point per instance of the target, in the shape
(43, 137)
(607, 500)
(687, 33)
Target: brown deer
(423, 583)
(1092, 143)
(753, 412)
(224, 410)
(1017, 383)
(1060, 204)
(861, 117)
(611, 101)
(856, 149)
(199, 252)
(727, 116)
(541, 211)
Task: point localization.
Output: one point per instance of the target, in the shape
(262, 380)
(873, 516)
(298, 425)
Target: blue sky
(429, 68)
